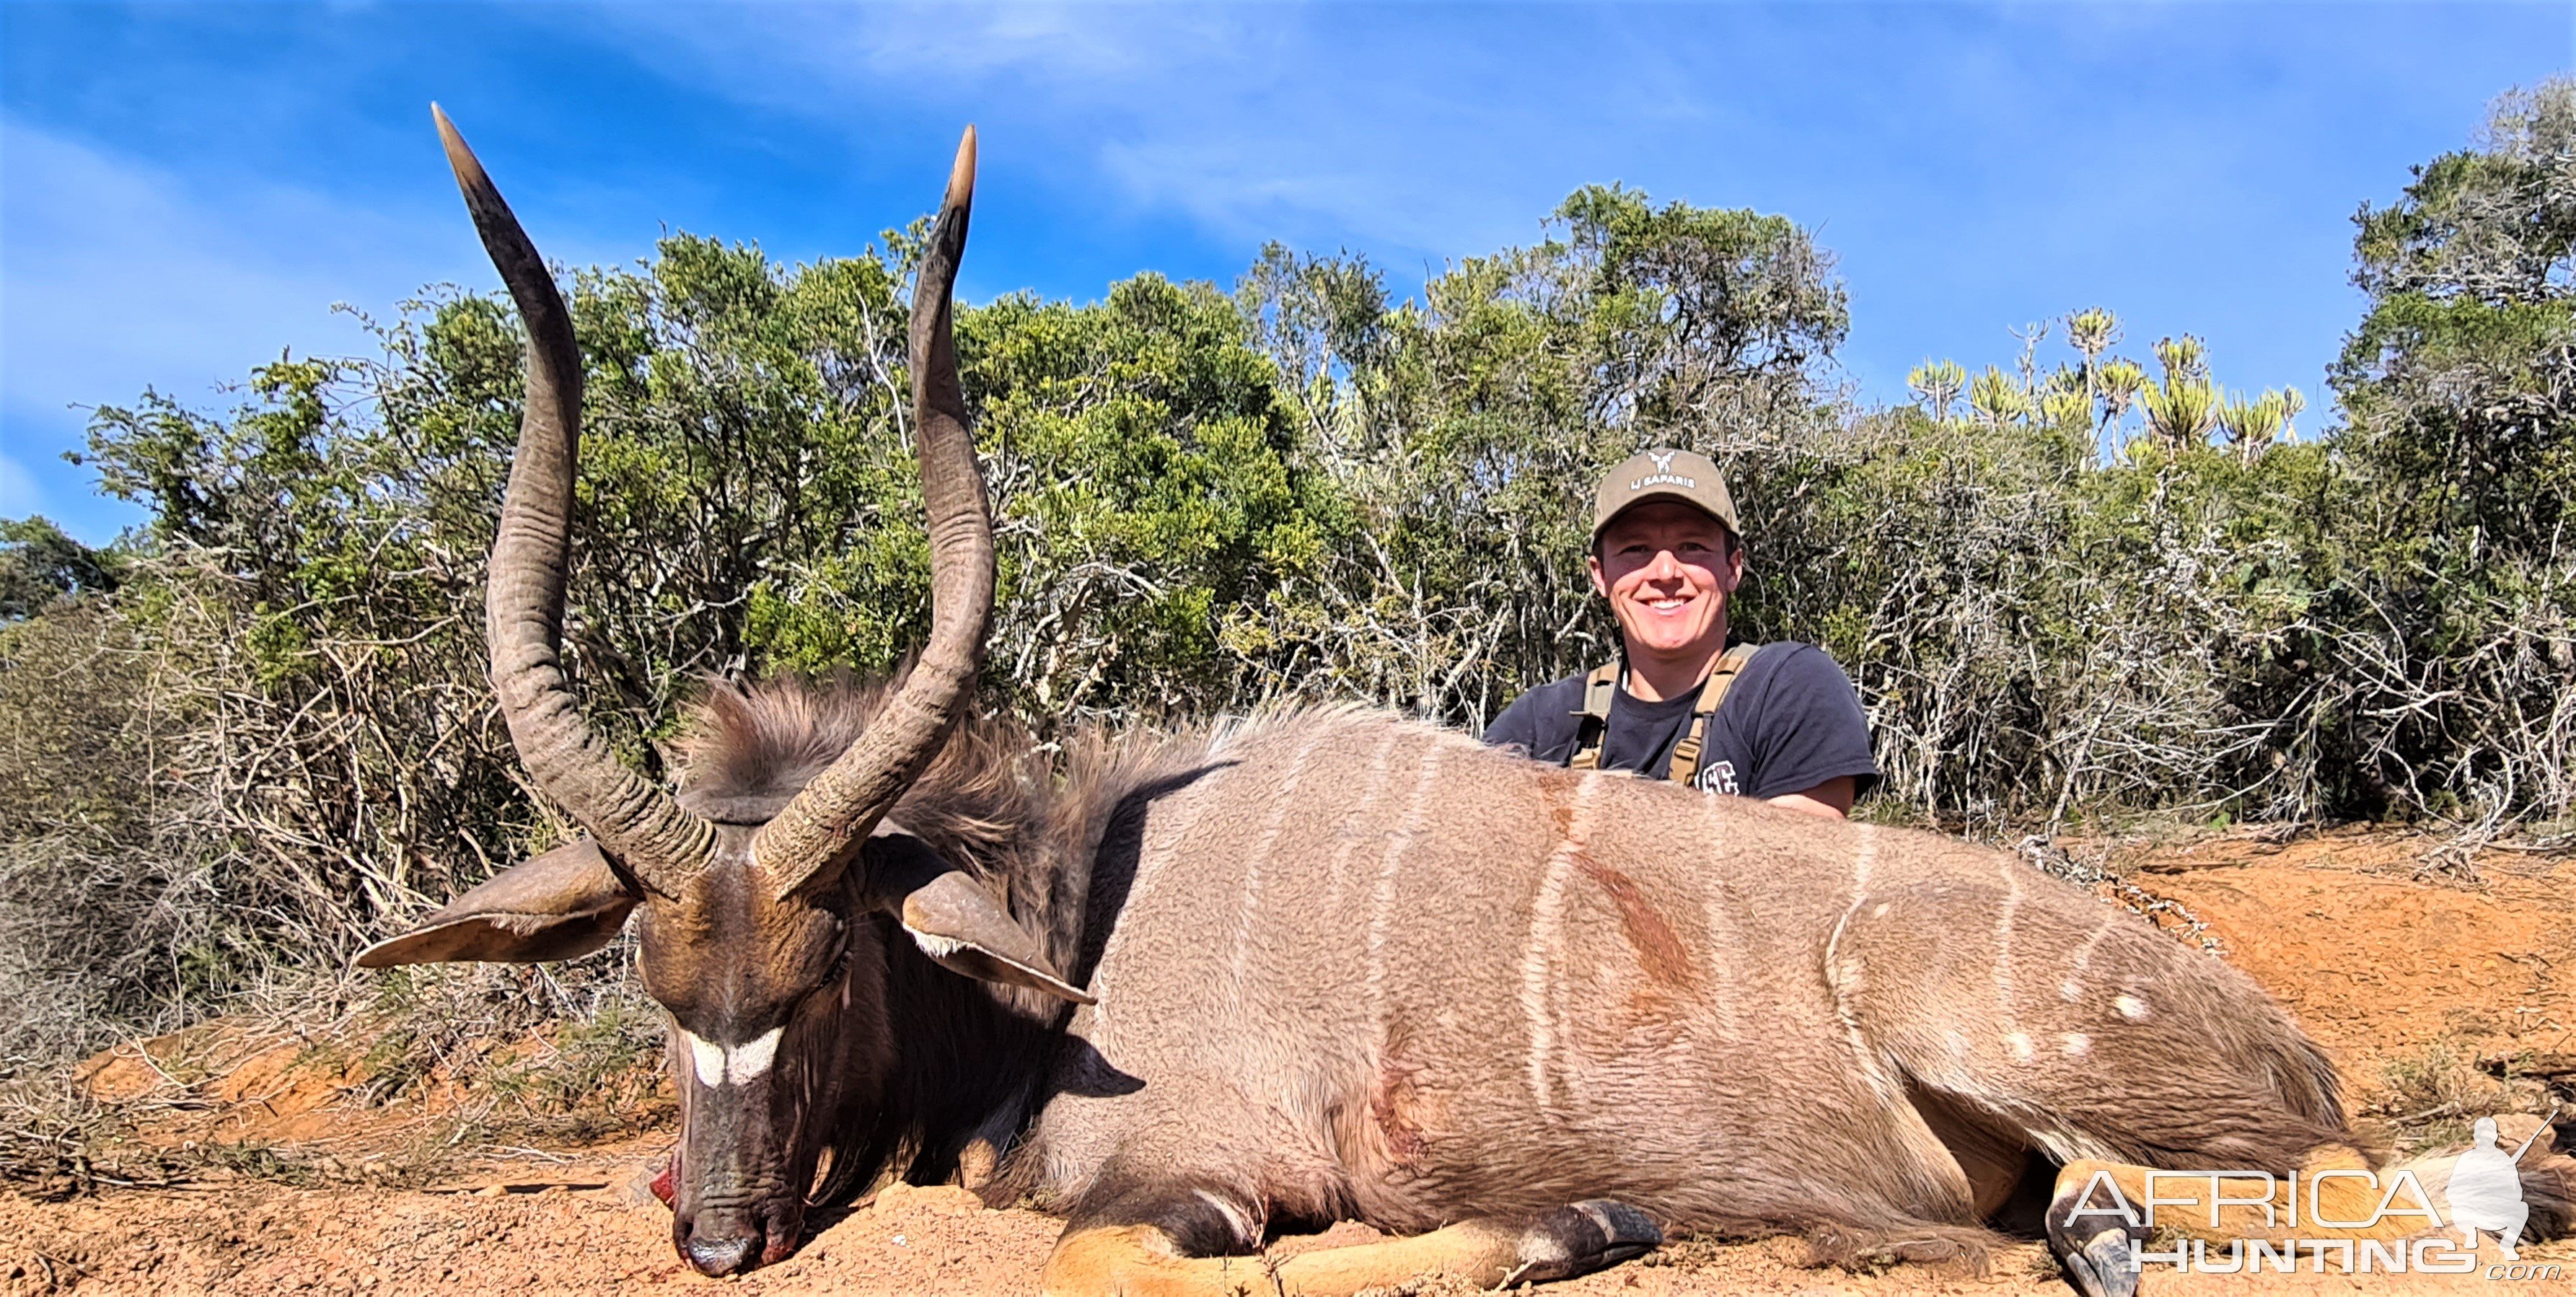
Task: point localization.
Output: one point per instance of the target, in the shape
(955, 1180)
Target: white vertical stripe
(2084, 953)
(1262, 846)
(2072, 989)
(1365, 813)
(1844, 976)
(2004, 938)
(1546, 937)
(1835, 974)
(1726, 957)
(1382, 903)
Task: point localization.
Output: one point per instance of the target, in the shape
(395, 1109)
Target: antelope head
(756, 914)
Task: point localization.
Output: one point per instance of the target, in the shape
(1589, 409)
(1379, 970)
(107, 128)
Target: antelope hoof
(1580, 1239)
(2101, 1267)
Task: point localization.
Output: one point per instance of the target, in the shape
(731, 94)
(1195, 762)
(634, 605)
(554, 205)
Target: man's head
(1665, 553)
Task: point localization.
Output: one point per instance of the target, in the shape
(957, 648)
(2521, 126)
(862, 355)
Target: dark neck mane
(992, 803)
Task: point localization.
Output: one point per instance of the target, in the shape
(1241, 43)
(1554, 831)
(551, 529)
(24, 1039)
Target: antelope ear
(560, 905)
(951, 917)
(964, 930)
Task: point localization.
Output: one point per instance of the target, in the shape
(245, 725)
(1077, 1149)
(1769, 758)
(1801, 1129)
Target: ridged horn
(821, 831)
(636, 824)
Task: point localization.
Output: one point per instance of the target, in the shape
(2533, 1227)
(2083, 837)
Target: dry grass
(2429, 1099)
(394, 1083)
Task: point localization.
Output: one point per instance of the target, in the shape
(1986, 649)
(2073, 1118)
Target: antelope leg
(1147, 1261)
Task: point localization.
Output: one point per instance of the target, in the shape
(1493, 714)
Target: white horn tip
(460, 155)
(961, 177)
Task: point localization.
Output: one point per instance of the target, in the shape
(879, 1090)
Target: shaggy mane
(991, 798)
(748, 749)
(768, 739)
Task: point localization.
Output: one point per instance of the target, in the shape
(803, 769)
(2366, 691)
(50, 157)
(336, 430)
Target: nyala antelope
(1195, 990)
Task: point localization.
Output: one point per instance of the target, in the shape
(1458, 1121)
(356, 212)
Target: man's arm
(1831, 799)
(1812, 739)
(1537, 723)
(1514, 728)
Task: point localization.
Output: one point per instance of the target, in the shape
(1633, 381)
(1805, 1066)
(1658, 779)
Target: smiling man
(1774, 721)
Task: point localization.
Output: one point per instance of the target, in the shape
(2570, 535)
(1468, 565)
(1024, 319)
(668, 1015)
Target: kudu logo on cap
(1664, 474)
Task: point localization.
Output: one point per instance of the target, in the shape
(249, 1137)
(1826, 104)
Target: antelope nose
(723, 1256)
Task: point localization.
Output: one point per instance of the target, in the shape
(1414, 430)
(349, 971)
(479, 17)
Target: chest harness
(1603, 683)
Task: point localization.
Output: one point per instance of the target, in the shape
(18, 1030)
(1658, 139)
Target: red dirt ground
(2422, 989)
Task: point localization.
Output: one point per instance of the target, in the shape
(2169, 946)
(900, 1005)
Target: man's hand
(1831, 799)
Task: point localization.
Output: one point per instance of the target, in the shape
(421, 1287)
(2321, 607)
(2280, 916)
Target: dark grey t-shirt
(1788, 723)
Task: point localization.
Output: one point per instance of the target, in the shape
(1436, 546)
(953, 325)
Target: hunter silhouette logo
(2485, 1191)
(1664, 474)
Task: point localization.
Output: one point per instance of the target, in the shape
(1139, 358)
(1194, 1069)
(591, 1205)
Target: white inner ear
(934, 945)
(732, 1064)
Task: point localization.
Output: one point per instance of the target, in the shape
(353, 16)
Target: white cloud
(117, 276)
(1086, 45)
(779, 54)
(1320, 126)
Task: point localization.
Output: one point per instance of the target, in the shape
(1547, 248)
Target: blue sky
(186, 189)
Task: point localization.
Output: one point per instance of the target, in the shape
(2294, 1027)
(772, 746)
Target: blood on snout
(665, 1186)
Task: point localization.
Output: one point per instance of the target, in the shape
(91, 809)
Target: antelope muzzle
(738, 1179)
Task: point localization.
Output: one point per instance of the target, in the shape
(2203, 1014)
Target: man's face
(1667, 569)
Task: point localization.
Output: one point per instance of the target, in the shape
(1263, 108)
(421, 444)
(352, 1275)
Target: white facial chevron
(732, 1064)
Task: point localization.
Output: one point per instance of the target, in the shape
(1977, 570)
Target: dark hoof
(2102, 1267)
(2094, 1249)
(1580, 1239)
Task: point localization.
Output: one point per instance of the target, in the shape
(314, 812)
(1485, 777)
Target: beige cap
(1664, 475)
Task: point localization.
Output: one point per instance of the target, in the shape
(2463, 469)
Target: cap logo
(1664, 474)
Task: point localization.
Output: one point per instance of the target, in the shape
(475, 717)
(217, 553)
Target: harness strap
(1595, 714)
(1685, 765)
(1603, 683)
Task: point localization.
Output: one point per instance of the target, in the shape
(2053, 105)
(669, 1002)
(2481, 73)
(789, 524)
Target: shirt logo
(1720, 778)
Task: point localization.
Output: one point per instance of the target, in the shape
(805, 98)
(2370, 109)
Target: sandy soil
(2425, 991)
